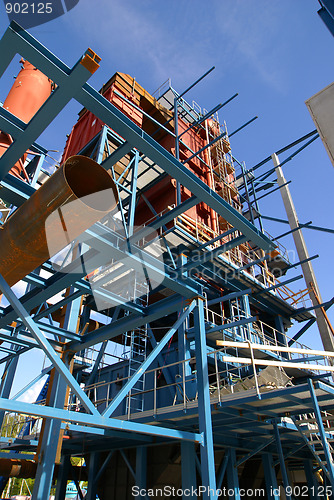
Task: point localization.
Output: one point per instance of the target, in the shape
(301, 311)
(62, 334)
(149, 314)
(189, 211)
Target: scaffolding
(169, 358)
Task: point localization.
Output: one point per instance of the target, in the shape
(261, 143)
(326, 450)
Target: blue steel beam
(254, 452)
(12, 125)
(128, 323)
(129, 466)
(32, 382)
(93, 373)
(148, 361)
(326, 14)
(207, 115)
(210, 255)
(325, 305)
(164, 219)
(22, 42)
(46, 346)
(96, 420)
(204, 405)
(230, 296)
(117, 155)
(161, 362)
(295, 264)
(103, 466)
(195, 83)
(131, 436)
(222, 469)
(102, 241)
(278, 285)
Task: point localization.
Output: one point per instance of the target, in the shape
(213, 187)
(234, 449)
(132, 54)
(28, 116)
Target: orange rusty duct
(27, 469)
(23, 241)
(17, 468)
(29, 91)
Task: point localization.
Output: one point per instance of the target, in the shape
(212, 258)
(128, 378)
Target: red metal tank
(29, 91)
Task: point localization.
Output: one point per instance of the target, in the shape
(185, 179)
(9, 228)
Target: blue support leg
(188, 468)
(281, 338)
(141, 467)
(270, 476)
(232, 476)
(222, 469)
(183, 342)
(204, 407)
(132, 204)
(312, 483)
(248, 328)
(7, 380)
(64, 468)
(281, 461)
(94, 463)
(49, 443)
(52, 428)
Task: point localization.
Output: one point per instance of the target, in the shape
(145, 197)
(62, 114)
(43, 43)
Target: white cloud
(137, 33)
(253, 33)
(31, 394)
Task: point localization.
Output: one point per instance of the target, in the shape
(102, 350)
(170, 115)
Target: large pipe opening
(80, 193)
(78, 175)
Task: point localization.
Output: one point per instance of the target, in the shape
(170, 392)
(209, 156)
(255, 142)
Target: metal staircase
(319, 441)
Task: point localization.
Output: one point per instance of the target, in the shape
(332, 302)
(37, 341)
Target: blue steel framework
(195, 413)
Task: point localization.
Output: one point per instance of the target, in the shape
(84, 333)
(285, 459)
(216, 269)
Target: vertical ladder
(135, 350)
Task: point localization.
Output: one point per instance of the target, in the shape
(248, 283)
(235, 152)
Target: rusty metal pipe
(23, 240)
(26, 469)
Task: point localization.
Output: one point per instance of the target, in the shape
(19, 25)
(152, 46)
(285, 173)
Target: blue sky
(276, 54)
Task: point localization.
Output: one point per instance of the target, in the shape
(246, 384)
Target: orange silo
(29, 91)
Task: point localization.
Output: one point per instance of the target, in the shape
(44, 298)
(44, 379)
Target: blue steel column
(141, 467)
(49, 445)
(244, 299)
(7, 380)
(188, 469)
(183, 343)
(232, 476)
(281, 338)
(204, 408)
(94, 462)
(177, 151)
(312, 483)
(64, 468)
(101, 145)
(281, 460)
(132, 204)
(50, 439)
(270, 476)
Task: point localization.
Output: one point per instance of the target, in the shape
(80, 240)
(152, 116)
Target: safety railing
(14, 423)
(227, 370)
